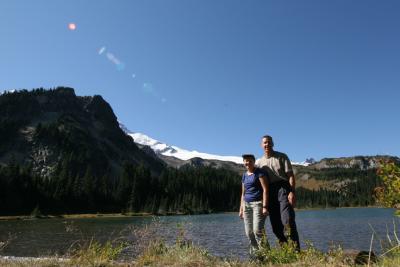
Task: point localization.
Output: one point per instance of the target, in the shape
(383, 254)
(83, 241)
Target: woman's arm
(241, 203)
(265, 189)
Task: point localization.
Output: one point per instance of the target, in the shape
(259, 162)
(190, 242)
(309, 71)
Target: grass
(45, 262)
(186, 254)
(96, 254)
(158, 254)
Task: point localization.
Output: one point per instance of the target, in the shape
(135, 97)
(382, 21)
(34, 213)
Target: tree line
(349, 188)
(185, 190)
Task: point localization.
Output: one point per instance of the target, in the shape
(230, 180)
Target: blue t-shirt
(252, 186)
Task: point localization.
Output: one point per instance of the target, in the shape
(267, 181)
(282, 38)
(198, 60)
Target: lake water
(221, 234)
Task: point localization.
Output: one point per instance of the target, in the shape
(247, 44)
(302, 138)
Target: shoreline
(141, 214)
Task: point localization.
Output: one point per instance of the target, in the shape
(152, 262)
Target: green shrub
(389, 194)
(281, 254)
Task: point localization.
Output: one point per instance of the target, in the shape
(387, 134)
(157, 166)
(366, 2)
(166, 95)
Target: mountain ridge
(176, 156)
(174, 151)
(41, 127)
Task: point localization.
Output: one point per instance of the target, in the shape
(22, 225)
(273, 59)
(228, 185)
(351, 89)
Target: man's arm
(292, 181)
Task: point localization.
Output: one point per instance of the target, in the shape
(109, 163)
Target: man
(282, 198)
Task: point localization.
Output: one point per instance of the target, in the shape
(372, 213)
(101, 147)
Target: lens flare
(72, 26)
(101, 50)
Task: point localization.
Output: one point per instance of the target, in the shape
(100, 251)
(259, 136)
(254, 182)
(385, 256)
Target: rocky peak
(359, 162)
(43, 127)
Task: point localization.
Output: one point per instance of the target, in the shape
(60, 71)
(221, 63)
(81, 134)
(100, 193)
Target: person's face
(266, 144)
(248, 163)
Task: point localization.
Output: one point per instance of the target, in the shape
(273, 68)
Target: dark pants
(281, 213)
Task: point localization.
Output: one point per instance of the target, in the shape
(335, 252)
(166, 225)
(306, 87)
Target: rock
(361, 257)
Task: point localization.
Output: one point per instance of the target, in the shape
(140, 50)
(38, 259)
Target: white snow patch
(180, 153)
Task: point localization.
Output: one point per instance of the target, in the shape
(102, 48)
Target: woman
(254, 202)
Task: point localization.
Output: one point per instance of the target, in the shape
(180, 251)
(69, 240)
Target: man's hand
(292, 199)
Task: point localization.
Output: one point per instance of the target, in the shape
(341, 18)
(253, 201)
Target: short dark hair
(268, 137)
(249, 156)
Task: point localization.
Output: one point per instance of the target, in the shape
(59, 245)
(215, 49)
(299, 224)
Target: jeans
(254, 222)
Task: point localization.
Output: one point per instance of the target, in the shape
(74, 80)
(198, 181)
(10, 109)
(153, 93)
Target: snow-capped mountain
(180, 153)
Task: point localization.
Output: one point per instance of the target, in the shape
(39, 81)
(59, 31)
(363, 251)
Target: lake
(221, 234)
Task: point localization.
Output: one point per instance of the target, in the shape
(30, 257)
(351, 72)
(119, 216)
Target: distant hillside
(62, 153)
(359, 162)
(328, 173)
(340, 182)
(330, 182)
(43, 128)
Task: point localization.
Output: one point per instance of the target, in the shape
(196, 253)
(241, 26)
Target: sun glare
(72, 26)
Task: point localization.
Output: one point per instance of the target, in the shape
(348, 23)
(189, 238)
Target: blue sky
(320, 76)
